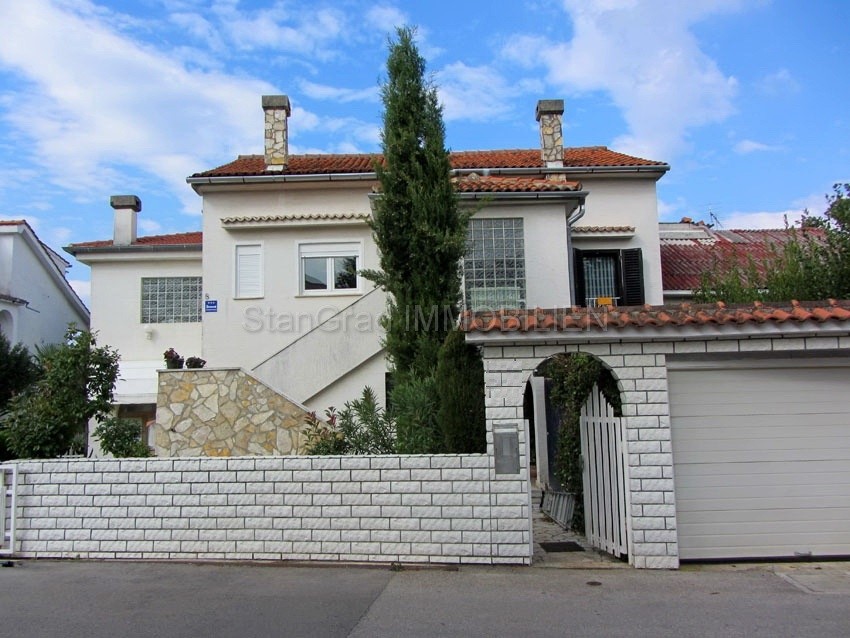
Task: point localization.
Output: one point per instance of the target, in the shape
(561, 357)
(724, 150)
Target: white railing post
(7, 499)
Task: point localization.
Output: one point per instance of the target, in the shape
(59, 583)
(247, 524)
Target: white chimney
(126, 210)
(549, 114)
(276, 110)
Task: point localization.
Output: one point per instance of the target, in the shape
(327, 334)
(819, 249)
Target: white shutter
(249, 271)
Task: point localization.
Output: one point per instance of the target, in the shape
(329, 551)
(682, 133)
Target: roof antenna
(714, 218)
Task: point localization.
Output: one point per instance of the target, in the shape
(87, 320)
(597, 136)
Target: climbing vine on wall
(573, 376)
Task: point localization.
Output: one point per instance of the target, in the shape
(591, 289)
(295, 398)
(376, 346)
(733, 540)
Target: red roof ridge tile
(685, 314)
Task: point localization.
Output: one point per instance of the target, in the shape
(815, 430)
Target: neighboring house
(689, 249)
(36, 301)
(145, 298)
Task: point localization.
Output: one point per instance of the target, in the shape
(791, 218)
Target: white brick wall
(641, 372)
(438, 509)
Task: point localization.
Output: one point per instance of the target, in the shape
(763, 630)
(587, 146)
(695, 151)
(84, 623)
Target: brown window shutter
(631, 271)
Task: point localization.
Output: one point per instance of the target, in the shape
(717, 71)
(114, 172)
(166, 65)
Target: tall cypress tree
(417, 225)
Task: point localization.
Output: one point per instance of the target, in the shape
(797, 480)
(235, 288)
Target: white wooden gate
(8, 486)
(603, 449)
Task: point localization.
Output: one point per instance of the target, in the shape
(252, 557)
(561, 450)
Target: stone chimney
(549, 114)
(276, 110)
(126, 209)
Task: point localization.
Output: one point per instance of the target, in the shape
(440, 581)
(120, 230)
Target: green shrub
(121, 438)
(415, 402)
(460, 388)
(323, 437)
(362, 427)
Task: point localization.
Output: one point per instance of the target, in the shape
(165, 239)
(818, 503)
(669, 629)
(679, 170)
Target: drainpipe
(577, 214)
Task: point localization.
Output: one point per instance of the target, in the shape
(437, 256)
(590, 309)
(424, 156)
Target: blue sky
(747, 101)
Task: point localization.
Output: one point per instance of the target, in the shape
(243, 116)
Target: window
(171, 299)
(248, 271)
(329, 268)
(605, 277)
(494, 265)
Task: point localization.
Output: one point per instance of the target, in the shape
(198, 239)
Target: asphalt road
(92, 599)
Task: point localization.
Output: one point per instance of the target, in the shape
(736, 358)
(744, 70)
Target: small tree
(460, 386)
(76, 386)
(417, 225)
(17, 370)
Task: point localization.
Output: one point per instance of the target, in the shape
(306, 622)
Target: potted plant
(195, 363)
(173, 360)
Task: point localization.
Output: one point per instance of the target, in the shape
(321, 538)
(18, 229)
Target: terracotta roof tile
(475, 183)
(175, 239)
(684, 260)
(603, 319)
(589, 156)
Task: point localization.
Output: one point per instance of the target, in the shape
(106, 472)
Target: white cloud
(149, 225)
(337, 94)
(306, 30)
(774, 219)
(478, 93)
(760, 219)
(95, 99)
(386, 18)
(644, 54)
(745, 147)
(780, 82)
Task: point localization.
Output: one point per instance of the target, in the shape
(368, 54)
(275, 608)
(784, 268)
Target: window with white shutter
(249, 271)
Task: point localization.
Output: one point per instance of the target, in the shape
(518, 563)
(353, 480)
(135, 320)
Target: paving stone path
(546, 530)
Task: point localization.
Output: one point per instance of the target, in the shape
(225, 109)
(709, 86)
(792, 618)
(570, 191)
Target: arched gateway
(644, 347)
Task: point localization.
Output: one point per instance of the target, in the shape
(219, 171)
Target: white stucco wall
(244, 332)
(624, 201)
(116, 292)
(116, 287)
(547, 262)
(28, 272)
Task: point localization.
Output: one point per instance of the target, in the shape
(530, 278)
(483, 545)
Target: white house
(273, 286)
(733, 440)
(36, 301)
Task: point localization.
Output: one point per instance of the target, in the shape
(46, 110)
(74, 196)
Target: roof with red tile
(175, 239)
(582, 157)
(475, 183)
(683, 261)
(647, 317)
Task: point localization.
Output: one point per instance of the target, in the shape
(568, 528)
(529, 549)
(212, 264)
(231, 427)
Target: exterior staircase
(329, 351)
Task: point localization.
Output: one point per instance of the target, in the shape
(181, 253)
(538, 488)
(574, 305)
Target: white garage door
(762, 459)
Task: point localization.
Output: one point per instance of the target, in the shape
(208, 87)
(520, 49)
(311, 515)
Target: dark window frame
(629, 275)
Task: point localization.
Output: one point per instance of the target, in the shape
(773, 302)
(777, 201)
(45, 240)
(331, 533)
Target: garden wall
(437, 509)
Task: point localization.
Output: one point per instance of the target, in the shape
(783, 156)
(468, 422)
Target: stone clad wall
(224, 412)
(438, 509)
